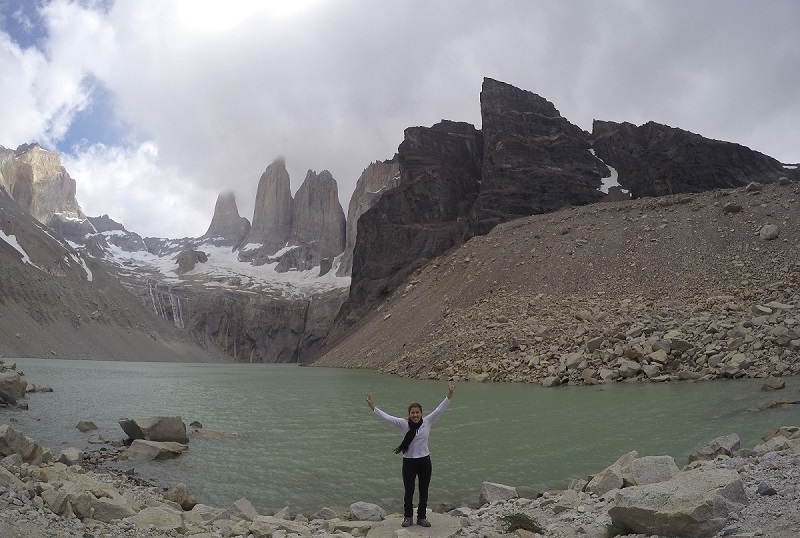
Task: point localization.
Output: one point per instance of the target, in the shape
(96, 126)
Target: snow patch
(790, 166)
(80, 261)
(610, 181)
(12, 240)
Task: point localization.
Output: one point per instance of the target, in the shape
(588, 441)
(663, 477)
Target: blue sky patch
(98, 122)
(21, 20)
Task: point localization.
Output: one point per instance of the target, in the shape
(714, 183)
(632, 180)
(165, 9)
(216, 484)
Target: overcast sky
(158, 105)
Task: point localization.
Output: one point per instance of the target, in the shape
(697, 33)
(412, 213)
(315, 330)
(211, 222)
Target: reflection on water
(305, 437)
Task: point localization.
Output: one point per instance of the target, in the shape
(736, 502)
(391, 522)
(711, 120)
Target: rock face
(655, 160)
(227, 227)
(263, 328)
(36, 180)
(423, 216)
(534, 160)
(376, 179)
(317, 217)
(272, 218)
(457, 181)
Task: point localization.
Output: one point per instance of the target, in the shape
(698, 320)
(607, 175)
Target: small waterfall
(173, 311)
(177, 311)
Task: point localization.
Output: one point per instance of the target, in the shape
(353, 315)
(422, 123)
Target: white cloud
(135, 188)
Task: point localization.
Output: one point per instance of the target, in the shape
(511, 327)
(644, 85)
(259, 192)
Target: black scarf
(410, 434)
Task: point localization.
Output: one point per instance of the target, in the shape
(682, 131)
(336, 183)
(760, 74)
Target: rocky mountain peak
(38, 183)
(534, 160)
(272, 217)
(655, 160)
(227, 226)
(376, 179)
(317, 216)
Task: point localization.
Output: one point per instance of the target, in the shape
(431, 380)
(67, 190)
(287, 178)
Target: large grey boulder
(694, 504)
(154, 450)
(613, 476)
(180, 495)
(492, 492)
(8, 481)
(653, 469)
(71, 456)
(12, 386)
(155, 429)
(14, 442)
(157, 517)
(363, 511)
(241, 509)
(724, 445)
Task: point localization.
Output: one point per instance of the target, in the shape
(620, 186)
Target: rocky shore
(724, 490)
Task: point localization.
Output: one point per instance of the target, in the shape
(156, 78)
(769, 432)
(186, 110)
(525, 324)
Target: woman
(416, 456)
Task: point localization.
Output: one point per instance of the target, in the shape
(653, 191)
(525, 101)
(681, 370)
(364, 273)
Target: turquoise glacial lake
(305, 438)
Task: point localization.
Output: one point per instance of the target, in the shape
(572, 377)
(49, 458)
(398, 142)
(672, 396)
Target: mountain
(457, 182)
(38, 183)
(56, 302)
(471, 209)
(655, 160)
(376, 179)
(227, 227)
(254, 302)
(272, 218)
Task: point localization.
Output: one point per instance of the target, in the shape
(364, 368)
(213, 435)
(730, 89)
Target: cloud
(135, 188)
(218, 91)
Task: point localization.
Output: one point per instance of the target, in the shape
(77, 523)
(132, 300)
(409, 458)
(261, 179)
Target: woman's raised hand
(371, 404)
(450, 389)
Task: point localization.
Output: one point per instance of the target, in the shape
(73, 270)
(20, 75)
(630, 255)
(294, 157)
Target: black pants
(413, 468)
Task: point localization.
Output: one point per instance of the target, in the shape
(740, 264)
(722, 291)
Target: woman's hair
(413, 405)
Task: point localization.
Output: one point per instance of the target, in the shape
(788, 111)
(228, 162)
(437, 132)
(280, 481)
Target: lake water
(306, 438)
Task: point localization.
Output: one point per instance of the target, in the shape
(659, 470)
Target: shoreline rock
(760, 497)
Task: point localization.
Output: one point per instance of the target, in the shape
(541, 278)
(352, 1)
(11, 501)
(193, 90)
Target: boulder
(363, 511)
(324, 513)
(8, 481)
(694, 504)
(157, 518)
(14, 442)
(180, 495)
(154, 450)
(612, 477)
(70, 456)
(155, 429)
(725, 445)
(653, 469)
(12, 386)
(492, 492)
(241, 509)
(769, 232)
(773, 383)
(265, 526)
(86, 426)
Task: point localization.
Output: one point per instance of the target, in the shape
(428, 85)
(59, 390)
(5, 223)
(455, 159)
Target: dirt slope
(537, 288)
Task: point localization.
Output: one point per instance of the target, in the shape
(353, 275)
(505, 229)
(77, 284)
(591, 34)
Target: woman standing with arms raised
(416, 456)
